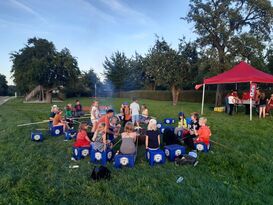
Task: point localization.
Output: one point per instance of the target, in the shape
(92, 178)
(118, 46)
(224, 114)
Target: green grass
(38, 173)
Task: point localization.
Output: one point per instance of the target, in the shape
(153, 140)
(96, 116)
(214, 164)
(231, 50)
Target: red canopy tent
(240, 73)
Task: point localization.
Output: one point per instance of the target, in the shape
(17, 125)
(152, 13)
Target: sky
(91, 29)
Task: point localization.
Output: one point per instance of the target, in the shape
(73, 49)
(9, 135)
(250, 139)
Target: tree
(3, 85)
(167, 67)
(116, 70)
(39, 63)
(92, 82)
(221, 24)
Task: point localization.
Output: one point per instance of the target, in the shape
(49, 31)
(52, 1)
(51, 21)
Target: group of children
(106, 129)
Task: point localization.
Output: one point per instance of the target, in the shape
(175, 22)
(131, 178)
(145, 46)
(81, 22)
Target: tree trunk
(219, 91)
(48, 96)
(219, 95)
(175, 94)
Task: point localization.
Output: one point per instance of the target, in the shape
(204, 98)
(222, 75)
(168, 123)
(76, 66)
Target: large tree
(3, 85)
(116, 70)
(224, 24)
(39, 63)
(168, 67)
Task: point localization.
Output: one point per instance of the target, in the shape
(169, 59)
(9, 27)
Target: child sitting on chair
(203, 133)
(192, 128)
(82, 139)
(68, 115)
(99, 138)
(114, 128)
(152, 136)
(182, 124)
(144, 117)
(95, 115)
(58, 120)
(78, 109)
(128, 139)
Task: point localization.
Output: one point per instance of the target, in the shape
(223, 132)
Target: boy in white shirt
(134, 108)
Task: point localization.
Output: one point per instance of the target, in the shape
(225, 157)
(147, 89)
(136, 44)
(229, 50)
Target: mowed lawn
(38, 173)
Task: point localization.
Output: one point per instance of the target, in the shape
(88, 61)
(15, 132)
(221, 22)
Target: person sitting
(192, 128)
(203, 133)
(115, 128)
(82, 139)
(69, 115)
(269, 105)
(128, 139)
(144, 117)
(106, 120)
(152, 136)
(182, 124)
(58, 120)
(78, 109)
(99, 138)
(54, 110)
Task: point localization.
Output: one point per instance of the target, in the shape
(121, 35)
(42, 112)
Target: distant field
(38, 173)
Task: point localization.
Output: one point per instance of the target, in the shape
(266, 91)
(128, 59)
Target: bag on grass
(101, 172)
(186, 160)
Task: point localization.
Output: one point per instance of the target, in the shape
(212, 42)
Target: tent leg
(203, 99)
(250, 108)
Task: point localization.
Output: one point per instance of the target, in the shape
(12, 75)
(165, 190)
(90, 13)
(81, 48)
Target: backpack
(101, 172)
(186, 160)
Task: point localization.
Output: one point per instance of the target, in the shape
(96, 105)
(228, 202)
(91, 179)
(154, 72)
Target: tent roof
(240, 73)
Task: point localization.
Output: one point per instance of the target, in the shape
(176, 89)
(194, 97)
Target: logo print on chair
(124, 161)
(76, 152)
(85, 152)
(36, 137)
(200, 147)
(157, 158)
(57, 131)
(98, 156)
(167, 152)
(177, 152)
(109, 155)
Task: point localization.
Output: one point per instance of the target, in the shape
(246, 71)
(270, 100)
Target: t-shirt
(95, 113)
(145, 112)
(135, 108)
(82, 140)
(182, 123)
(152, 138)
(127, 115)
(57, 119)
(231, 99)
(204, 134)
(68, 113)
(104, 119)
(262, 101)
(78, 107)
(194, 125)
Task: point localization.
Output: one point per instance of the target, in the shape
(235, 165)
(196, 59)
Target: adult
(135, 109)
(231, 102)
(262, 105)
(269, 105)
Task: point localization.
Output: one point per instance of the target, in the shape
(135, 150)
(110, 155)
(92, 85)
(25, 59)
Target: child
(99, 138)
(82, 137)
(114, 128)
(58, 121)
(192, 127)
(269, 105)
(68, 115)
(128, 139)
(54, 110)
(144, 114)
(95, 115)
(126, 113)
(262, 105)
(152, 136)
(134, 108)
(78, 109)
(182, 124)
(203, 133)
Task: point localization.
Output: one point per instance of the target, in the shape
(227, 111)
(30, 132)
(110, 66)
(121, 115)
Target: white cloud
(27, 9)
(126, 11)
(139, 36)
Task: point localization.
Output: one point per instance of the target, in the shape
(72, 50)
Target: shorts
(135, 118)
(262, 105)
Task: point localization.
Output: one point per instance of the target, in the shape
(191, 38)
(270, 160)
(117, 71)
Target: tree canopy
(39, 63)
(3, 85)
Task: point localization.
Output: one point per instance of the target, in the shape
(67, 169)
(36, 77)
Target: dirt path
(4, 99)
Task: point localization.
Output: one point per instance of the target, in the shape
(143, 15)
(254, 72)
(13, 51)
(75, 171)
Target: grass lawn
(38, 173)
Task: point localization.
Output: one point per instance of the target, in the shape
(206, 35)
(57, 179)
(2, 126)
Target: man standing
(134, 108)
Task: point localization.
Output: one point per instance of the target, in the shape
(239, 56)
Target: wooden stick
(32, 123)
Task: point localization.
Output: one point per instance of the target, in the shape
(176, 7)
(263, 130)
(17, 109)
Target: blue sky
(91, 29)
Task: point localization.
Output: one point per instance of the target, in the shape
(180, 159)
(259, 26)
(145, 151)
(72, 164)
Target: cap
(181, 114)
